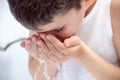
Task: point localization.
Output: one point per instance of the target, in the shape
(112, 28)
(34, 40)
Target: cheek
(64, 35)
(69, 30)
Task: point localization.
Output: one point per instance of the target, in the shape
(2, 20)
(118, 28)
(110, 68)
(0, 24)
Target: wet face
(64, 25)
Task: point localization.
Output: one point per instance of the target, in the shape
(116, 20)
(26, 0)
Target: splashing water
(45, 71)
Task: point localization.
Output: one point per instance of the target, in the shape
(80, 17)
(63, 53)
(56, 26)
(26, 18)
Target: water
(45, 71)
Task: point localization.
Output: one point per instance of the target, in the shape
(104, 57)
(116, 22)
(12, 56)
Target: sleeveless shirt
(96, 32)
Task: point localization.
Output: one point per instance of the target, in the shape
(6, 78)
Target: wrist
(82, 51)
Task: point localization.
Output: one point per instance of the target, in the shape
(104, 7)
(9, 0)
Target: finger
(34, 38)
(28, 44)
(43, 55)
(34, 47)
(42, 35)
(47, 53)
(53, 57)
(31, 47)
(22, 44)
(72, 41)
(55, 51)
(57, 44)
(42, 47)
(50, 47)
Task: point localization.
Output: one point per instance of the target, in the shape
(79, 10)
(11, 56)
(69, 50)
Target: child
(83, 36)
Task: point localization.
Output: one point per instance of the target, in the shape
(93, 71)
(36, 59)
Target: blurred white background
(14, 61)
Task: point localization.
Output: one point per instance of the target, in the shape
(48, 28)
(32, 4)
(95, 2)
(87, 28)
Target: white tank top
(96, 32)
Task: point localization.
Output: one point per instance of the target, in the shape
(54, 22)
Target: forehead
(58, 21)
(50, 26)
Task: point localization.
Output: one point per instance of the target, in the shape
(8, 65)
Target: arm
(75, 48)
(34, 63)
(97, 66)
(115, 16)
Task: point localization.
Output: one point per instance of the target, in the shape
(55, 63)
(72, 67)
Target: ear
(88, 3)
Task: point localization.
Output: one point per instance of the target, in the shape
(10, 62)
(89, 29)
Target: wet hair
(31, 13)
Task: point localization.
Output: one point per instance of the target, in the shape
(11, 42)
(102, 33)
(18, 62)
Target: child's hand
(31, 47)
(59, 52)
(52, 49)
(31, 44)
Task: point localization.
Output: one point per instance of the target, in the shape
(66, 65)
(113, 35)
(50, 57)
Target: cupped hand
(31, 46)
(58, 51)
(47, 46)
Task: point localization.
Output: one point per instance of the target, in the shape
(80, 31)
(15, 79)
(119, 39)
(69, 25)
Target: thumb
(72, 41)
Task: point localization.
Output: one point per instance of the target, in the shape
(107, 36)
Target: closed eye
(58, 30)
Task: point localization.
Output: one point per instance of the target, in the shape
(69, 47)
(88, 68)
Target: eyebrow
(42, 30)
(39, 30)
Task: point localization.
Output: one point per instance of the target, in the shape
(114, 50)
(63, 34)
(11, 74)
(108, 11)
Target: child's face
(64, 26)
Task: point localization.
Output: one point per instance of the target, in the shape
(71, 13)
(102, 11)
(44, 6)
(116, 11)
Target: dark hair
(31, 13)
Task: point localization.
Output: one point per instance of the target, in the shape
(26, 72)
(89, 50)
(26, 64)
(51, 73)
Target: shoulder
(115, 4)
(115, 9)
(115, 15)
(115, 18)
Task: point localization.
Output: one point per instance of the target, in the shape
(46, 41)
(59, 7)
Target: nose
(57, 35)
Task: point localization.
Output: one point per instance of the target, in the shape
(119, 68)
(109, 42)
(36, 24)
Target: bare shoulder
(116, 3)
(115, 18)
(115, 9)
